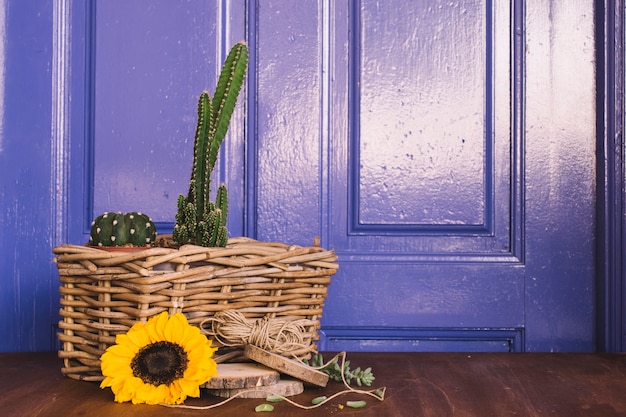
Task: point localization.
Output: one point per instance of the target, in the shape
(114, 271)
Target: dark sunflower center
(160, 363)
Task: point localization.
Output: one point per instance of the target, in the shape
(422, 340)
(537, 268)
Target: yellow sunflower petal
(120, 351)
(162, 394)
(137, 327)
(106, 382)
(199, 356)
(169, 394)
(116, 369)
(201, 360)
(175, 328)
(190, 331)
(125, 389)
(200, 375)
(138, 337)
(126, 341)
(145, 393)
(150, 330)
(155, 327)
(194, 342)
(188, 388)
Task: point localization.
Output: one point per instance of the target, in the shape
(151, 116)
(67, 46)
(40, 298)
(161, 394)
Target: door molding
(611, 195)
(422, 339)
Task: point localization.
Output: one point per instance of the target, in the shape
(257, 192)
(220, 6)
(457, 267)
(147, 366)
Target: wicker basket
(104, 293)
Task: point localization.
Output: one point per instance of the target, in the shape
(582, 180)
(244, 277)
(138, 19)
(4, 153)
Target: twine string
(377, 393)
(280, 336)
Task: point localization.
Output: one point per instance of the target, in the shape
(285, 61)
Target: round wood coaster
(242, 375)
(284, 387)
(287, 366)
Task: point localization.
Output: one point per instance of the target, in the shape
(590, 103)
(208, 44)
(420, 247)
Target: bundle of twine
(231, 328)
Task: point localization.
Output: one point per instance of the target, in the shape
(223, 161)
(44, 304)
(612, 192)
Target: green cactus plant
(199, 220)
(117, 229)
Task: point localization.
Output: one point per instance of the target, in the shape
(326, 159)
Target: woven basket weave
(104, 293)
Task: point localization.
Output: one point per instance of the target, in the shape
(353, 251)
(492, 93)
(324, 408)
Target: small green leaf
(317, 400)
(273, 398)
(264, 407)
(356, 404)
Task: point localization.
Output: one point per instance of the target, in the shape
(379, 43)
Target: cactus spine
(117, 229)
(198, 220)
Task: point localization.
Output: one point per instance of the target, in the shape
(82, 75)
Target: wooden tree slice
(286, 388)
(242, 375)
(287, 366)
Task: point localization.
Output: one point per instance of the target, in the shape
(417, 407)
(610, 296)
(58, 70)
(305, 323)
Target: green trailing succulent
(199, 220)
(118, 229)
(335, 371)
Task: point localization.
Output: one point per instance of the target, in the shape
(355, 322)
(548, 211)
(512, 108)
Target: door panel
(152, 60)
(429, 172)
(403, 80)
(445, 150)
(149, 62)
(560, 175)
(426, 197)
(287, 113)
(460, 172)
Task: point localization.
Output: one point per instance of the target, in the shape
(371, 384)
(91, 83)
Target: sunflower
(161, 361)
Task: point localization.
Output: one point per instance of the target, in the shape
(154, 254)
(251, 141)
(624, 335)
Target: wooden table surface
(418, 384)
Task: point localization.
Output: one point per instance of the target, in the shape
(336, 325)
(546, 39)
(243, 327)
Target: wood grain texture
(418, 384)
(284, 387)
(242, 376)
(287, 366)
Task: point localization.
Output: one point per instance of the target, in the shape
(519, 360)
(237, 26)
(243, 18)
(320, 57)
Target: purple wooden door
(439, 147)
(445, 150)
(442, 150)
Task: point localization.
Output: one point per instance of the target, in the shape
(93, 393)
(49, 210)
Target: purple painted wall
(438, 147)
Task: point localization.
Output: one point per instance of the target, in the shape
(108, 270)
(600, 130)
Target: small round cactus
(117, 229)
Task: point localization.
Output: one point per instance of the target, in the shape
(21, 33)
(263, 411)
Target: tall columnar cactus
(199, 220)
(117, 229)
